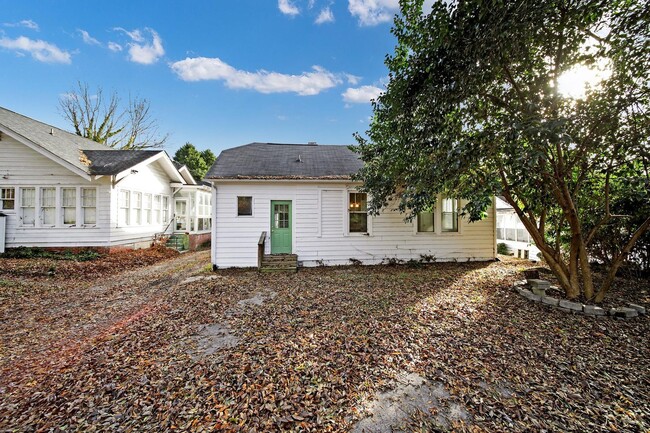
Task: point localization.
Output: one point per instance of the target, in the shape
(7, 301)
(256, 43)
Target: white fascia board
(167, 164)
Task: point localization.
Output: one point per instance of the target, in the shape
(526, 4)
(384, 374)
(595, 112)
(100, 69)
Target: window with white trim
(165, 209)
(358, 212)
(157, 211)
(69, 206)
(136, 208)
(125, 205)
(449, 215)
(28, 206)
(146, 209)
(89, 206)
(48, 207)
(7, 198)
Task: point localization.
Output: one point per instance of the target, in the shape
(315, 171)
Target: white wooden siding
(319, 228)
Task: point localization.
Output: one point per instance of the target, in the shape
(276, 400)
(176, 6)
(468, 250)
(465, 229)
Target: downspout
(213, 217)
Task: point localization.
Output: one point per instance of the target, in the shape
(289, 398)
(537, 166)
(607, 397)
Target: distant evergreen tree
(195, 161)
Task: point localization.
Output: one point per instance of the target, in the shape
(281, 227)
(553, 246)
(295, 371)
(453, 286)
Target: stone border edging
(632, 310)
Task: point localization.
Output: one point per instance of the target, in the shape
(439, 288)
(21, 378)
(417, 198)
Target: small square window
(244, 206)
(7, 198)
(425, 222)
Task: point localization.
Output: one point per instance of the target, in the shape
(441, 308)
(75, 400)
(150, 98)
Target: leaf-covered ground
(117, 350)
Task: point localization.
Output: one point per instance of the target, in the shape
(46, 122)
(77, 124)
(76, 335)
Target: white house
(61, 190)
(512, 232)
(303, 199)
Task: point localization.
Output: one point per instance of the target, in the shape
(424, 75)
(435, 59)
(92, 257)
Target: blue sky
(217, 73)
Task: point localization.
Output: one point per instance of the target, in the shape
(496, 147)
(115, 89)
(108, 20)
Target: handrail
(260, 250)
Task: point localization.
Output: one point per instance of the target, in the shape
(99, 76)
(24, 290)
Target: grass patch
(40, 253)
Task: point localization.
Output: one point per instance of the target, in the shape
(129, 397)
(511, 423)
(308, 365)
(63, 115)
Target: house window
(7, 198)
(425, 222)
(157, 202)
(48, 206)
(358, 212)
(244, 206)
(124, 207)
(28, 206)
(165, 209)
(136, 208)
(146, 208)
(69, 205)
(449, 215)
(89, 206)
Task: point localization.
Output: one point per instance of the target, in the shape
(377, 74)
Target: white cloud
(24, 23)
(87, 38)
(288, 8)
(361, 95)
(306, 83)
(140, 50)
(114, 46)
(39, 50)
(325, 16)
(373, 12)
(353, 79)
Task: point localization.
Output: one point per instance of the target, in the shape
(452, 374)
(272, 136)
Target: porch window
(426, 222)
(146, 208)
(136, 208)
(244, 206)
(89, 206)
(7, 198)
(48, 206)
(358, 212)
(124, 207)
(449, 215)
(69, 205)
(28, 206)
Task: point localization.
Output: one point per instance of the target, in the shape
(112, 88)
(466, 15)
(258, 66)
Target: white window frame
(147, 208)
(63, 207)
(368, 231)
(23, 206)
(136, 208)
(252, 207)
(83, 206)
(42, 209)
(8, 193)
(157, 209)
(458, 218)
(124, 206)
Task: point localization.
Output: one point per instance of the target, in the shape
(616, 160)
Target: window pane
(449, 215)
(244, 206)
(89, 197)
(358, 202)
(28, 197)
(90, 215)
(358, 222)
(425, 222)
(68, 197)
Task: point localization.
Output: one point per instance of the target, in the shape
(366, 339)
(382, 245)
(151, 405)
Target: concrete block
(638, 308)
(522, 290)
(531, 296)
(565, 310)
(575, 306)
(539, 291)
(549, 300)
(592, 310)
(623, 312)
(542, 284)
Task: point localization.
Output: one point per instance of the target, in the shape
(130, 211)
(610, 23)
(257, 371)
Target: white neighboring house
(61, 190)
(512, 232)
(303, 198)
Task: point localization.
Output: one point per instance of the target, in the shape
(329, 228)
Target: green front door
(280, 227)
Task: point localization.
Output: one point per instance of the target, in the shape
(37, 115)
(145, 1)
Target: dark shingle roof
(285, 161)
(108, 162)
(55, 141)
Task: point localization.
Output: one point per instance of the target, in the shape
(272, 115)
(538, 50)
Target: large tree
(197, 162)
(475, 106)
(104, 119)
